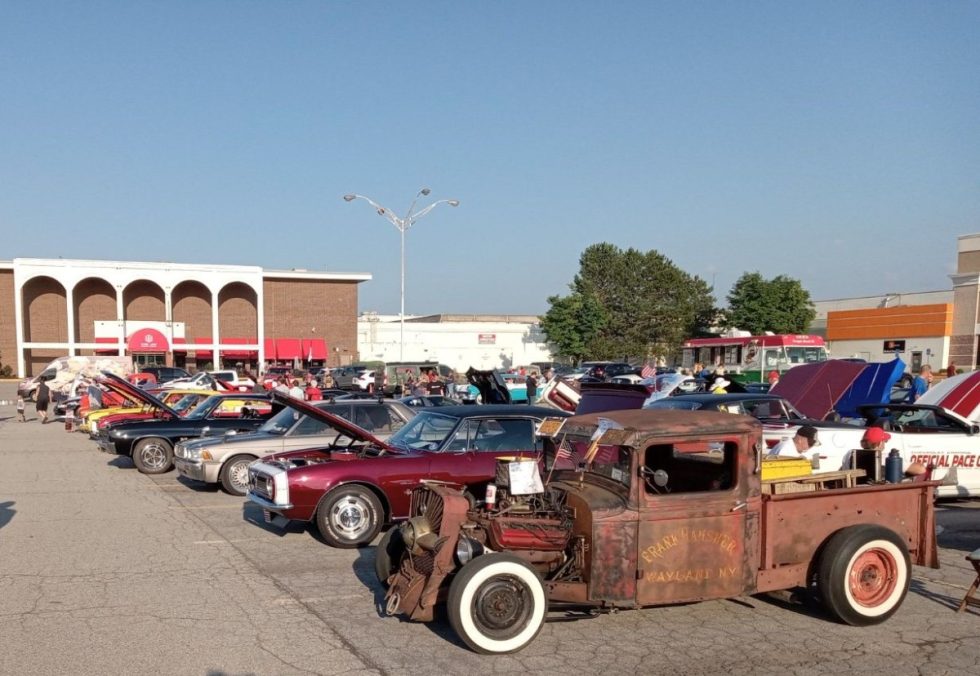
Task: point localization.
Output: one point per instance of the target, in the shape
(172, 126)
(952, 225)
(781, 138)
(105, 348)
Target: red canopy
(108, 341)
(148, 340)
(289, 348)
(180, 344)
(270, 349)
(239, 354)
(202, 355)
(314, 348)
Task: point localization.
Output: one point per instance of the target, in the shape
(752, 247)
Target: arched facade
(206, 313)
(95, 300)
(45, 318)
(238, 312)
(144, 300)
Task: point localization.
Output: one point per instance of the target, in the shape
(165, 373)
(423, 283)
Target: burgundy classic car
(352, 487)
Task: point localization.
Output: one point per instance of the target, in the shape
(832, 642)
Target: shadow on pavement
(198, 486)
(253, 514)
(919, 589)
(6, 512)
(122, 462)
(794, 600)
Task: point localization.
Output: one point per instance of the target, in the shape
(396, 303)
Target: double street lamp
(403, 224)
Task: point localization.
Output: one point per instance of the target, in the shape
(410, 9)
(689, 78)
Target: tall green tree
(780, 305)
(627, 304)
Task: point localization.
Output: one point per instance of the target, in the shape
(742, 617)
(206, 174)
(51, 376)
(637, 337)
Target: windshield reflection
(425, 432)
(577, 454)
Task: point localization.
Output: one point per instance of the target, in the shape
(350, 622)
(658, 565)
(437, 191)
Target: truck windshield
(578, 454)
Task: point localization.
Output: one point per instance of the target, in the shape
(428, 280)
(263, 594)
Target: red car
(353, 487)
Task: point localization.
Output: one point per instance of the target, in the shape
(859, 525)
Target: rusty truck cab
(684, 523)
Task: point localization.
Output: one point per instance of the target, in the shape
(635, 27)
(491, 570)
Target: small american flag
(563, 450)
(648, 371)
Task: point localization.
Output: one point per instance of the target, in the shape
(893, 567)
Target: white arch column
(19, 327)
(70, 297)
(260, 328)
(120, 319)
(215, 357)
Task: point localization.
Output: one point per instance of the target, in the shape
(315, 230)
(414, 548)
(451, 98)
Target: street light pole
(402, 224)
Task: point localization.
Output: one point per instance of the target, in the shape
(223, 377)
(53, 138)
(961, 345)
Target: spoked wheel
(234, 474)
(864, 574)
(153, 456)
(349, 516)
(497, 603)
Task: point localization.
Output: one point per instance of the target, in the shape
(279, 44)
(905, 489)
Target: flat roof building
(196, 316)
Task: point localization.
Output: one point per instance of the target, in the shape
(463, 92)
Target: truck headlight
(414, 529)
(467, 549)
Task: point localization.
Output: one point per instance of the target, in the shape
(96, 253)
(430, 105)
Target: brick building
(194, 316)
(923, 327)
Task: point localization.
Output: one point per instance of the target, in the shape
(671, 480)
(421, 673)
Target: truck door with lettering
(698, 531)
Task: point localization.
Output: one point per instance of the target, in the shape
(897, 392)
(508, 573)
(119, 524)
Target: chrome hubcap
(350, 516)
(154, 456)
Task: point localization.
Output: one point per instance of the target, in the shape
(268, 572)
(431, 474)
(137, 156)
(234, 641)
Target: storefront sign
(487, 339)
(893, 346)
(147, 340)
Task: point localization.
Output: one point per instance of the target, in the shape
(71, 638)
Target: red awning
(239, 354)
(148, 340)
(270, 349)
(202, 355)
(289, 348)
(180, 344)
(314, 348)
(108, 341)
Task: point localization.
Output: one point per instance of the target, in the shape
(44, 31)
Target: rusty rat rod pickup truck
(644, 508)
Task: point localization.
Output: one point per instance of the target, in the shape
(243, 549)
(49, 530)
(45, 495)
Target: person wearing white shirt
(798, 445)
(296, 392)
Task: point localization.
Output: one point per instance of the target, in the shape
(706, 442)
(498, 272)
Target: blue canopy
(872, 386)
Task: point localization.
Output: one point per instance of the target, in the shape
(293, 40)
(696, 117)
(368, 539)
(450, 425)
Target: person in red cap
(874, 439)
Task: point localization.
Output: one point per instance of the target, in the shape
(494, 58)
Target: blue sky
(836, 142)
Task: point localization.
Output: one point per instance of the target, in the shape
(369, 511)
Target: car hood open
(491, 384)
(814, 389)
(335, 421)
(123, 387)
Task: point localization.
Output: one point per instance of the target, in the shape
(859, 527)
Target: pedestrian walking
(43, 395)
(532, 388)
(20, 410)
(951, 370)
(379, 381)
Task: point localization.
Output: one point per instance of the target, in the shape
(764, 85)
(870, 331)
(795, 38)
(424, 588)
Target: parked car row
(497, 508)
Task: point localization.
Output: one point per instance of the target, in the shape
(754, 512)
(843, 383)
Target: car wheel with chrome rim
(153, 456)
(234, 474)
(349, 516)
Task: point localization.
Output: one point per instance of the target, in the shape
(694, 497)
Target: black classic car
(151, 442)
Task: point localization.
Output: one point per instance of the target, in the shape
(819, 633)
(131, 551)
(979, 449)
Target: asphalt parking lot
(105, 570)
